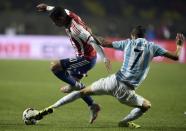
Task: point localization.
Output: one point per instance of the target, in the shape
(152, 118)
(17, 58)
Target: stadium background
(28, 37)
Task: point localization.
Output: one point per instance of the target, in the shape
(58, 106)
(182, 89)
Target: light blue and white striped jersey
(138, 54)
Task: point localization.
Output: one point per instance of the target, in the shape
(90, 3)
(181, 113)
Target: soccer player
(72, 70)
(138, 53)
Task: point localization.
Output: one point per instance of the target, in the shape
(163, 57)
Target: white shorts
(111, 86)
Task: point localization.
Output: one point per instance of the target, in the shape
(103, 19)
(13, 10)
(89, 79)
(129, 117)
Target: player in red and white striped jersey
(71, 70)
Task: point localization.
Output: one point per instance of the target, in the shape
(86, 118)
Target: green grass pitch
(31, 84)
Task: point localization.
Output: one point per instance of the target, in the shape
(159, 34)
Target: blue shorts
(79, 66)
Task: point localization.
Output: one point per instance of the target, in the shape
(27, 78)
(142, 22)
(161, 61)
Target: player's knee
(55, 66)
(146, 105)
(85, 91)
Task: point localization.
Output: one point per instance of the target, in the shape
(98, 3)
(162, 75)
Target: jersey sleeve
(158, 51)
(98, 48)
(84, 34)
(75, 17)
(120, 45)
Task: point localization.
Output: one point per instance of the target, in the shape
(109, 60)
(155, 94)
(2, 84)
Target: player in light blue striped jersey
(138, 53)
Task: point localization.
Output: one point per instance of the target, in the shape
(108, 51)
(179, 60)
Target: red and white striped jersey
(80, 36)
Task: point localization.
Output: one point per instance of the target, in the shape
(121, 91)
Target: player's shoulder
(72, 14)
(77, 19)
(121, 41)
(145, 42)
(152, 44)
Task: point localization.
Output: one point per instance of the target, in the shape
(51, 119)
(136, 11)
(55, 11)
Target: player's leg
(141, 106)
(84, 93)
(60, 72)
(72, 97)
(64, 100)
(74, 69)
(99, 87)
(94, 108)
(68, 89)
(59, 68)
(77, 68)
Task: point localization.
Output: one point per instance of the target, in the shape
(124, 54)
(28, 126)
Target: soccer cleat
(43, 113)
(94, 109)
(66, 89)
(128, 124)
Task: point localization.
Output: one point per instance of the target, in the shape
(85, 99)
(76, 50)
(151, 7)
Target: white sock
(67, 99)
(134, 114)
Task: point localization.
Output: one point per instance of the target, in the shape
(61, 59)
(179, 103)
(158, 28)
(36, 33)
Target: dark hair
(58, 12)
(138, 31)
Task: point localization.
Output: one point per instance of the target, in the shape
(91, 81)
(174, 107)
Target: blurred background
(28, 34)
(162, 18)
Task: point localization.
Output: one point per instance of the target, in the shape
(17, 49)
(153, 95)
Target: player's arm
(118, 45)
(100, 51)
(86, 36)
(103, 42)
(179, 42)
(44, 7)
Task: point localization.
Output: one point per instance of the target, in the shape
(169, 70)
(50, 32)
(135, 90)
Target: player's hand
(97, 39)
(180, 39)
(107, 64)
(42, 7)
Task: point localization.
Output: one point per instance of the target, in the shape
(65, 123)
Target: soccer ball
(27, 114)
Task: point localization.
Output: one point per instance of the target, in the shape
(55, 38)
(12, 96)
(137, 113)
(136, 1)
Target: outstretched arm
(179, 42)
(103, 42)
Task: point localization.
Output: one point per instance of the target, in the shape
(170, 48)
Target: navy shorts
(78, 66)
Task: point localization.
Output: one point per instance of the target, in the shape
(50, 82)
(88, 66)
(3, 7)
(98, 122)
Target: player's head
(138, 32)
(59, 16)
